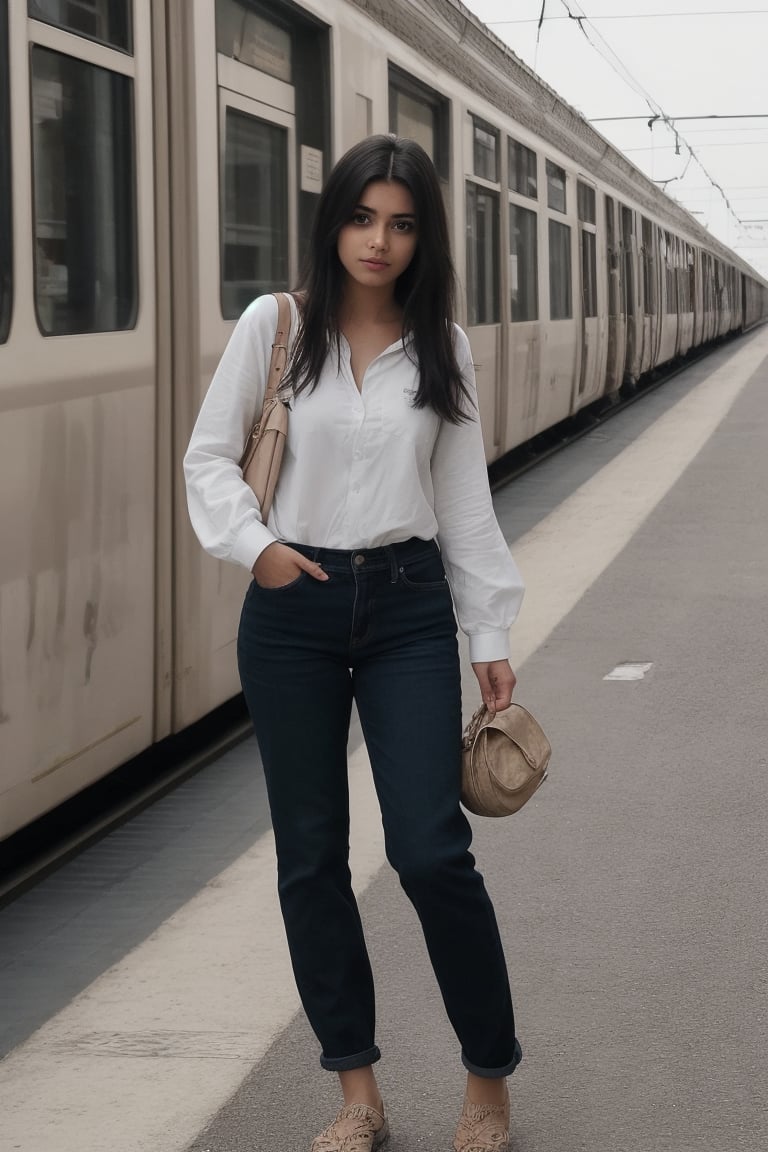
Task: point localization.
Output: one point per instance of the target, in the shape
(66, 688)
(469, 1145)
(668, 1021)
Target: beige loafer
(483, 1127)
(357, 1128)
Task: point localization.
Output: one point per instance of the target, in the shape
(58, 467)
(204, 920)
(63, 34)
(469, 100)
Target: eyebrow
(395, 216)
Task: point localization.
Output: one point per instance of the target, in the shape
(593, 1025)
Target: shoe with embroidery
(357, 1128)
(483, 1127)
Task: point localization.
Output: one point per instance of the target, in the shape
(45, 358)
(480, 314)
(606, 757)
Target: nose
(378, 239)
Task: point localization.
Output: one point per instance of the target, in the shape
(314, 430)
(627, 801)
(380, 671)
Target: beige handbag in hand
(263, 454)
(504, 759)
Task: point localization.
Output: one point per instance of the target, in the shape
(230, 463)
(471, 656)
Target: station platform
(146, 998)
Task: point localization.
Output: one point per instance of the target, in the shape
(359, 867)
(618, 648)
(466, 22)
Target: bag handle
(279, 347)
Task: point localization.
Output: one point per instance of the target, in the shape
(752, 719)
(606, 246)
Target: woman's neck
(364, 306)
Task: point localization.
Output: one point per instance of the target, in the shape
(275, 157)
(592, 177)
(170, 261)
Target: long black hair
(425, 290)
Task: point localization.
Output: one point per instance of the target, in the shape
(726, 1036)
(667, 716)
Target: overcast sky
(710, 56)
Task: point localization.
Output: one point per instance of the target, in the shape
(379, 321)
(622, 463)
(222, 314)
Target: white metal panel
(523, 382)
(77, 453)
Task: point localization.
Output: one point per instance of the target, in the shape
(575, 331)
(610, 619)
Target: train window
(413, 119)
(627, 227)
(84, 196)
(560, 301)
(418, 113)
(523, 264)
(106, 21)
(252, 39)
(588, 272)
(649, 285)
(522, 170)
(254, 213)
(485, 150)
(6, 251)
(555, 187)
(482, 255)
(586, 202)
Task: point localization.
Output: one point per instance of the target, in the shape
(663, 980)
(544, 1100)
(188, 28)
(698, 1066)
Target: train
(160, 162)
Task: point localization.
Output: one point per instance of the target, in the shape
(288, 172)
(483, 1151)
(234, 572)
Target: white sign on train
(311, 169)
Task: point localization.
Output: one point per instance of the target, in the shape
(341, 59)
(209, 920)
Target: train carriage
(159, 166)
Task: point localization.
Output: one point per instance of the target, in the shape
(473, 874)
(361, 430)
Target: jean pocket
(281, 587)
(426, 574)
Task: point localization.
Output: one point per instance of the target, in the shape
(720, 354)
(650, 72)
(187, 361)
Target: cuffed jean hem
(347, 1063)
(495, 1073)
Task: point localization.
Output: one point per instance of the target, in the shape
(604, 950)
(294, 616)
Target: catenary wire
(581, 18)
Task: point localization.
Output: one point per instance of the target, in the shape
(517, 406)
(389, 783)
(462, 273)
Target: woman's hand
(279, 565)
(497, 683)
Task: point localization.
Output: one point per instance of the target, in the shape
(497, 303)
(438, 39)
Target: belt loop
(392, 563)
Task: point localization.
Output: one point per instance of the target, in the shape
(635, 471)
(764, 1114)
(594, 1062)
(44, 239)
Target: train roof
(452, 38)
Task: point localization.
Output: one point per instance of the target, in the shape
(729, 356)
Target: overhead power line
(657, 112)
(636, 16)
(724, 144)
(707, 116)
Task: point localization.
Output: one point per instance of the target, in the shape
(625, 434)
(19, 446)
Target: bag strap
(279, 347)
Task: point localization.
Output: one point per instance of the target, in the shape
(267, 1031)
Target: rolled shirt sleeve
(486, 584)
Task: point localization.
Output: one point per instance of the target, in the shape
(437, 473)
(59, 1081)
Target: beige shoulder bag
(263, 453)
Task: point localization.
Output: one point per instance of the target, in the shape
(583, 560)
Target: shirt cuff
(251, 543)
(487, 646)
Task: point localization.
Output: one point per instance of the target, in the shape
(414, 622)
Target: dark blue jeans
(381, 630)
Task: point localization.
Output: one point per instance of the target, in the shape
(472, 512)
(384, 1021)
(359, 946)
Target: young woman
(382, 522)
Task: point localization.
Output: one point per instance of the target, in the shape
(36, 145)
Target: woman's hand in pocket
(279, 565)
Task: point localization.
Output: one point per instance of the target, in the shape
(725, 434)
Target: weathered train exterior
(158, 168)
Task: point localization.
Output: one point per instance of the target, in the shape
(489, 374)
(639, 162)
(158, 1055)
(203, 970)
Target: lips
(376, 264)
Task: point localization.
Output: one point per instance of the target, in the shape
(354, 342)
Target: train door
(679, 289)
(688, 280)
(77, 405)
(590, 372)
(255, 127)
(483, 278)
(698, 303)
(650, 296)
(614, 372)
(525, 326)
(561, 351)
(633, 347)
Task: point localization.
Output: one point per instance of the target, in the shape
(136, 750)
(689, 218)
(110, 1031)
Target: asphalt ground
(630, 892)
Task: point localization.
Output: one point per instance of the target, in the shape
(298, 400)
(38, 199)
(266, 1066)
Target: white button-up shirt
(362, 468)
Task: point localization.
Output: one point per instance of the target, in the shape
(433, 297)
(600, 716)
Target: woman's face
(378, 243)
